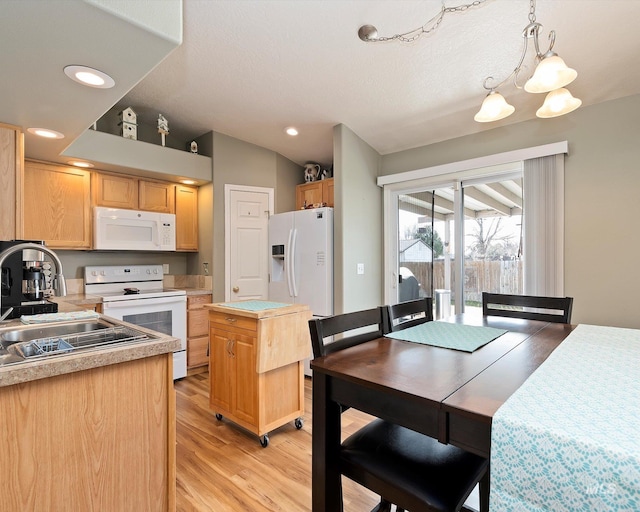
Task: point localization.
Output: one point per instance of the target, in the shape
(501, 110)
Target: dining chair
(407, 314)
(413, 471)
(547, 309)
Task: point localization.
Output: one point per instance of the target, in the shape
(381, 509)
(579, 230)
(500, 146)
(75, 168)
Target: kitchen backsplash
(188, 281)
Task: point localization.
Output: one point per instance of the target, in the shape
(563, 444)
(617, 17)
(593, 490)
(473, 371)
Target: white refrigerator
(301, 260)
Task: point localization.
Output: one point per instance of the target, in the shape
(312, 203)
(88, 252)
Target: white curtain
(543, 246)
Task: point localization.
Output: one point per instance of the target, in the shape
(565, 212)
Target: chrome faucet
(58, 283)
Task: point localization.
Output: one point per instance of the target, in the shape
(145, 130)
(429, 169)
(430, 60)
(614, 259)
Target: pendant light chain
(532, 11)
(428, 27)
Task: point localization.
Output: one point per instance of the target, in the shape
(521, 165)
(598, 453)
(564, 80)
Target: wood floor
(221, 467)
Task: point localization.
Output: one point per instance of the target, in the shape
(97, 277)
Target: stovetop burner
(131, 282)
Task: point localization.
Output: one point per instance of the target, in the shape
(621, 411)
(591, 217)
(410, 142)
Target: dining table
(445, 393)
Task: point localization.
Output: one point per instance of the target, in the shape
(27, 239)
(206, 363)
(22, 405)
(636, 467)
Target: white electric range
(135, 294)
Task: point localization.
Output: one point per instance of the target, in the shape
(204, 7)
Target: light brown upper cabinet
(57, 205)
(114, 191)
(186, 205)
(314, 192)
(131, 193)
(156, 196)
(11, 162)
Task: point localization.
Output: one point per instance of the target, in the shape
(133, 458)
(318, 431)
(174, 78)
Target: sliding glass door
(456, 239)
(492, 238)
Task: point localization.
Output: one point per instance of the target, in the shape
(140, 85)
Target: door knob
(236, 289)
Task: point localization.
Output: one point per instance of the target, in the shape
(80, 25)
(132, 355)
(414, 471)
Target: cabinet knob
(236, 289)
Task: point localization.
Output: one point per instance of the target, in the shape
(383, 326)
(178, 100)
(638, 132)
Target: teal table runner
(568, 439)
(442, 334)
(254, 305)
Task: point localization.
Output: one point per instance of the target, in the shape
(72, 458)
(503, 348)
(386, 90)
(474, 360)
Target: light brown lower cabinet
(99, 439)
(197, 331)
(256, 366)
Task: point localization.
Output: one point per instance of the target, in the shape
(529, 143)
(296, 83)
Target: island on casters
(256, 363)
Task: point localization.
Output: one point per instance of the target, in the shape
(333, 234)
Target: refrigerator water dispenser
(277, 263)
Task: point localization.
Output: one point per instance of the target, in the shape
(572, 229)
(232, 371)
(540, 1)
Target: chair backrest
(555, 309)
(323, 328)
(407, 314)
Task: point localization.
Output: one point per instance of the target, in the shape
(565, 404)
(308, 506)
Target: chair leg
(484, 492)
(383, 506)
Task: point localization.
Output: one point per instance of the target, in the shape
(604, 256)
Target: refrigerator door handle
(287, 263)
(292, 259)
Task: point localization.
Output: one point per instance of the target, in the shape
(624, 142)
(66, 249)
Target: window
(433, 215)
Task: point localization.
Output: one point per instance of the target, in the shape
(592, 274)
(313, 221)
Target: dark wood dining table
(447, 394)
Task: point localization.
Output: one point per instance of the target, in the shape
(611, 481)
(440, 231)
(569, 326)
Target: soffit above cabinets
(114, 153)
(126, 40)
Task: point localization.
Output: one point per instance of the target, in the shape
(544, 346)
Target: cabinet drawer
(197, 322)
(196, 301)
(197, 351)
(226, 321)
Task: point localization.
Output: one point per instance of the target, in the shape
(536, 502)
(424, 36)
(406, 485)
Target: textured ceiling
(249, 68)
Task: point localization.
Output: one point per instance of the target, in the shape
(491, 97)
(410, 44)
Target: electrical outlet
(165, 268)
(360, 268)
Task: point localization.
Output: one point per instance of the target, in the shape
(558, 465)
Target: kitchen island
(256, 364)
(90, 430)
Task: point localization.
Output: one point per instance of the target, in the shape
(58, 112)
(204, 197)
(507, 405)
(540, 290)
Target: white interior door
(247, 211)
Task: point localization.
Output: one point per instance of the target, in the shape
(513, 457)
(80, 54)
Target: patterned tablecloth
(569, 438)
(442, 334)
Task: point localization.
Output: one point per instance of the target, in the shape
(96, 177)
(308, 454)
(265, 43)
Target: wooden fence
(479, 276)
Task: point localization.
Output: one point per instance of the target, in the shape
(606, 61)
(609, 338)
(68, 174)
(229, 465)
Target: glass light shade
(558, 103)
(494, 107)
(552, 73)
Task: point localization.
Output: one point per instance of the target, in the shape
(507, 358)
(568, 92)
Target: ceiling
(250, 68)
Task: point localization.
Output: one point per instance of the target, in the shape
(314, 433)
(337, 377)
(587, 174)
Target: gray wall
(73, 262)
(602, 180)
(241, 163)
(288, 175)
(358, 229)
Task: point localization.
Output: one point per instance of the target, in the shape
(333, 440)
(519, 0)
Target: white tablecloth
(569, 438)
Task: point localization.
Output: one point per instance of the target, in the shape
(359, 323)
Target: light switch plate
(360, 268)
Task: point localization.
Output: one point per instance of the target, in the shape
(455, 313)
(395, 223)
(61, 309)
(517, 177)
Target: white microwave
(116, 229)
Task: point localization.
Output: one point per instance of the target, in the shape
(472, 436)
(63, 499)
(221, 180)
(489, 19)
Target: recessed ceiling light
(89, 76)
(291, 131)
(85, 165)
(46, 133)
(188, 182)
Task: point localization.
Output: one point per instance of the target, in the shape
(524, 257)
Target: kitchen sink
(33, 332)
(29, 342)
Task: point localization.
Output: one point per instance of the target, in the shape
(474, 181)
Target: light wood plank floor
(223, 468)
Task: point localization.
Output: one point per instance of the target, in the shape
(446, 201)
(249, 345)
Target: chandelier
(550, 76)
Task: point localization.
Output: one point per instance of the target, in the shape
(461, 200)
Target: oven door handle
(145, 302)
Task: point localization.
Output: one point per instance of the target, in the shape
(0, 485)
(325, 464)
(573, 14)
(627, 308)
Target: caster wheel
(298, 423)
(264, 441)
(218, 416)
